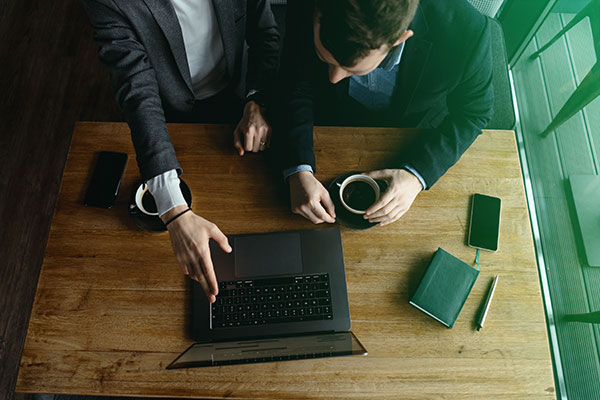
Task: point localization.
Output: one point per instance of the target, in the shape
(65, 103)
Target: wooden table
(111, 308)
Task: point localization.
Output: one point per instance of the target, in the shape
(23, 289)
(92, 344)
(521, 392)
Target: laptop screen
(273, 349)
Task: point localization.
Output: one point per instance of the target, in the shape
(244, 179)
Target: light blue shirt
(374, 91)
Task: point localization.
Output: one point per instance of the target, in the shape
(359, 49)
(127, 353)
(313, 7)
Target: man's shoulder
(450, 18)
(454, 27)
(126, 6)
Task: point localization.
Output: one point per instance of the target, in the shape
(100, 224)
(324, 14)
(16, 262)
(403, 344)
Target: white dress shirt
(208, 69)
(203, 46)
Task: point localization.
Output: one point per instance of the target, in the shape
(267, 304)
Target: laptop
(282, 296)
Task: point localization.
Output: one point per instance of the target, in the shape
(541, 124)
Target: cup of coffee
(359, 192)
(144, 200)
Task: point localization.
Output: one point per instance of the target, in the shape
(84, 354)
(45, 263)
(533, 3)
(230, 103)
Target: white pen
(488, 301)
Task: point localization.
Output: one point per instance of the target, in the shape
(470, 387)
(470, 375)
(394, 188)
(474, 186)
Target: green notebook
(445, 287)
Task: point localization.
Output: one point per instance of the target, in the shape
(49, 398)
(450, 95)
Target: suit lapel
(413, 62)
(225, 18)
(165, 16)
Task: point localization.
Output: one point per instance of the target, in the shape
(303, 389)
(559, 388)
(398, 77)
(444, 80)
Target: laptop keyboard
(272, 300)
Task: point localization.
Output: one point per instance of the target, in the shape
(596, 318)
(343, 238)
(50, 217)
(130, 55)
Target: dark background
(50, 78)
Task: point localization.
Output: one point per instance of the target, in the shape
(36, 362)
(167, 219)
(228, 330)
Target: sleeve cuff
(293, 170)
(415, 173)
(166, 191)
(256, 96)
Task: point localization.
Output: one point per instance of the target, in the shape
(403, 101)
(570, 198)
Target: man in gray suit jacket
(185, 61)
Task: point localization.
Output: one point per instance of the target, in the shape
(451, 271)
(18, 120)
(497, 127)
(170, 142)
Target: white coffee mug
(360, 178)
(139, 194)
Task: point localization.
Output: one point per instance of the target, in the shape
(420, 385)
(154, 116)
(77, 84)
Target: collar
(392, 58)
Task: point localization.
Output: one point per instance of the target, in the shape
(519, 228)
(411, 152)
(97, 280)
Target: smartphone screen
(104, 185)
(484, 228)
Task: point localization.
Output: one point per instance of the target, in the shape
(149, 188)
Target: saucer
(343, 216)
(152, 223)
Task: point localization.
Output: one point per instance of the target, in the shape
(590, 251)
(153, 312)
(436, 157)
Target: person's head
(354, 36)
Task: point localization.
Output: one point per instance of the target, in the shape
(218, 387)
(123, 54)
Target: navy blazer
(444, 85)
(142, 45)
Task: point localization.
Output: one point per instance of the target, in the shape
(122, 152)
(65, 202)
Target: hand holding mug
(403, 188)
(310, 199)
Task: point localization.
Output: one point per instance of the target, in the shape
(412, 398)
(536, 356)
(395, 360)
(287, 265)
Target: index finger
(209, 271)
(328, 203)
(320, 213)
(379, 174)
(237, 141)
(379, 204)
(202, 281)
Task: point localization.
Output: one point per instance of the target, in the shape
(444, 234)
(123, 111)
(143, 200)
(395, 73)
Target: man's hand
(253, 132)
(403, 188)
(190, 235)
(310, 199)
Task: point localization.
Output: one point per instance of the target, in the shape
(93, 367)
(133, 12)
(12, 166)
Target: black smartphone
(104, 185)
(484, 229)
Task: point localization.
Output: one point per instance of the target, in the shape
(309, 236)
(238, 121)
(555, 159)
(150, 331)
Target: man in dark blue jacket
(401, 63)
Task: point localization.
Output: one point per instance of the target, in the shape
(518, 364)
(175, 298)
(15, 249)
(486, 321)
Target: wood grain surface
(112, 308)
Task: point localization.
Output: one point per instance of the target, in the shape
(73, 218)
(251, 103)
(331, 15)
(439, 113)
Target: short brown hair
(350, 29)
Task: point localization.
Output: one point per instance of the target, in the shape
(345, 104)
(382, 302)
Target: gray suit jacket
(142, 45)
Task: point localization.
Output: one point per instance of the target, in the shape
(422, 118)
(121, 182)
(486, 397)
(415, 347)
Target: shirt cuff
(293, 170)
(256, 96)
(166, 191)
(251, 92)
(415, 173)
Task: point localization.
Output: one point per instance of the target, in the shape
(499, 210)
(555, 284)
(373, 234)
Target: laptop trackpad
(275, 254)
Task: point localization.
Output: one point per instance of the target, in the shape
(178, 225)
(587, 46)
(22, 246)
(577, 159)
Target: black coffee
(148, 202)
(359, 195)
